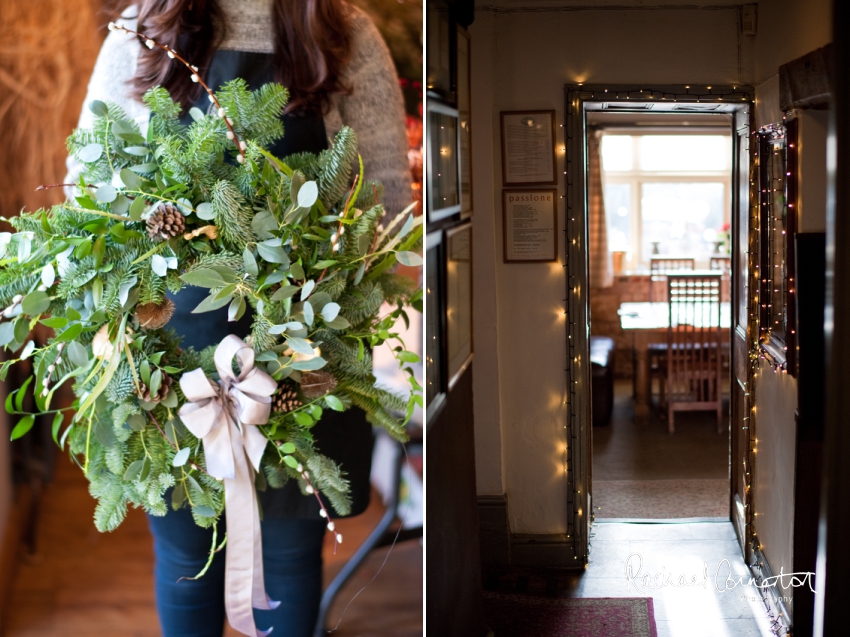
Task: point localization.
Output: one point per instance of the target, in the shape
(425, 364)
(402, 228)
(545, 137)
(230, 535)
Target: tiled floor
(692, 550)
(685, 549)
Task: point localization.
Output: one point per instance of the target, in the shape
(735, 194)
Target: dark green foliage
(335, 166)
(83, 267)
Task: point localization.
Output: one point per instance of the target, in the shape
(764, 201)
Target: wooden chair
(693, 361)
(723, 262)
(659, 267)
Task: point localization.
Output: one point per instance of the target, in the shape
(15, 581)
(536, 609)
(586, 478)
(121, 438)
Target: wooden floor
(81, 583)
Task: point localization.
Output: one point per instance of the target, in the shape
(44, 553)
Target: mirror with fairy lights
(777, 225)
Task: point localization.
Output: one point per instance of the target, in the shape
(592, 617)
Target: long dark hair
(312, 44)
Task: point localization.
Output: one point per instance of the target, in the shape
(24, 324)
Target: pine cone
(161, 395)
(153, 316)
(286, 399)
(166, 222)
(317, 384)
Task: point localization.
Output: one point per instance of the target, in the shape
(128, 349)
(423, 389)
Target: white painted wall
(522, 60)
(787, 29)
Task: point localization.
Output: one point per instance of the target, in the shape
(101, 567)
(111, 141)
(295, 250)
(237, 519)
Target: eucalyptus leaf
(307, 289)
(181, 456)
(159, 265)
(28, 349)
(78, 354)
(204, 278)
(205, 211)
(300, 345)
(203, 510)
(90, 153)
(408, 258)
(330, 312)
(210, 303)
(35, 303)
(106, 193)
(272, 253)
(137, 208)
(307, 310)
(236, 309)
(339, 323)
(308, 194)
(156, 382)
(250, 263)
(137, 422)
(130, 179)
(73, 331)
(284, 292)
(99, 108)
(134, 470)
(7, 333)
(334, 403)
(137, 151)
(310, 365)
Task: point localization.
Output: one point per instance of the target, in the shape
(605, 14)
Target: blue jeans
(292, 561)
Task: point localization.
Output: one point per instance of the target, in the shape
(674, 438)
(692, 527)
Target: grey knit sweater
(374, 109)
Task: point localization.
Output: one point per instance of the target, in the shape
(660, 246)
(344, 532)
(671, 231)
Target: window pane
(683, 219)
(618, 199)
(684, 152)
(617, 152)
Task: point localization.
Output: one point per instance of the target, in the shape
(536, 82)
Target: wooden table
(648, 324)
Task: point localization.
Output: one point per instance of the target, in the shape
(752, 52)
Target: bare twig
(151, 43)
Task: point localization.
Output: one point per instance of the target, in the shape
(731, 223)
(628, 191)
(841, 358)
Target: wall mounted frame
(443, 159)
(528, 148)
(530, 225)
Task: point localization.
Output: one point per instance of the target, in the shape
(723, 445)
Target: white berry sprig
(151, 43)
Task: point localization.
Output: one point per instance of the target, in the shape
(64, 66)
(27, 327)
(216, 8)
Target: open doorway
(659, 187)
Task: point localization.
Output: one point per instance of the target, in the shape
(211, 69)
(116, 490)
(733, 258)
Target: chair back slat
(660, 266)
(694, 339)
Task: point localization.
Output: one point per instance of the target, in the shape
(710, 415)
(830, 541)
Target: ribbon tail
(244, 586)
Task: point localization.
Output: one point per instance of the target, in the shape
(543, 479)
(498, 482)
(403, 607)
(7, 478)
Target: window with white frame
(667, 194)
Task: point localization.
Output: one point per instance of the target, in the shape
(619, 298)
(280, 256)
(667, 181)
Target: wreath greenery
(299, 240)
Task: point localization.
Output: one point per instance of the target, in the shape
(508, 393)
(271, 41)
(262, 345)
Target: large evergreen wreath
(298, 239)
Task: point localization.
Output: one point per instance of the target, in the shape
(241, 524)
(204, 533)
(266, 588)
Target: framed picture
(440, 79)
(443, 162)
(528, 148)
(465, 130)
(458, 300)
(529, 225)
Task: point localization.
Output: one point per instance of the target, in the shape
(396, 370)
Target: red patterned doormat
(526, 616)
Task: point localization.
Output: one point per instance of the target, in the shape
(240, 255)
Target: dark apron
(345, 437)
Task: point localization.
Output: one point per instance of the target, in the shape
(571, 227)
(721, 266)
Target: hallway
(641, 471)
(689, 549)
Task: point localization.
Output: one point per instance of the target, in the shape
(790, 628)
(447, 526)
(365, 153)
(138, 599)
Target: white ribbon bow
(220, 414)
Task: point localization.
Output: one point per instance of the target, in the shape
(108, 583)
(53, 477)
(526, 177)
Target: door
(740, 364)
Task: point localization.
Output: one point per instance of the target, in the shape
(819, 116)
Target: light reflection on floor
(694, 550)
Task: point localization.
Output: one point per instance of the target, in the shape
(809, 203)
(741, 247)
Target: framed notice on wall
(528, 148)
(529, 225)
